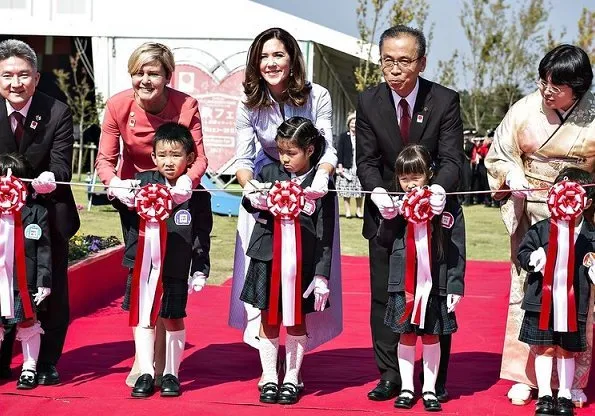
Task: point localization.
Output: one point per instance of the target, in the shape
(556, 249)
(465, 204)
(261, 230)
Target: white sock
(406, 356)
(174, 350)
(144, 341)
(565, 375)
(431, 359)
(295, 348)
(543, 374)
(268, 349)
(30, 338)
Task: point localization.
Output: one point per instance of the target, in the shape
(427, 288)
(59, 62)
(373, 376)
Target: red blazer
(123, 117)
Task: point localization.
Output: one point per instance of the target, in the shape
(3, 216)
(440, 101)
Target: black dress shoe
(564, 407)
(144, 386)
(442, 394)
(170, 386)
(431, 403)
(269, 393)
(47, 375)
(545, 406)
(27, 380)
(384, 390)
(405, 402)
(5, 373)
(288, 394)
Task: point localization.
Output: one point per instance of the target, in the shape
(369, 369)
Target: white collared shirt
(24, 111)
(410, 101)
(299, 179)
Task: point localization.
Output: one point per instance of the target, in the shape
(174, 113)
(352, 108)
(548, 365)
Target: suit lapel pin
(33, 124)
(38, 118)
(420, 118)
(132, 121)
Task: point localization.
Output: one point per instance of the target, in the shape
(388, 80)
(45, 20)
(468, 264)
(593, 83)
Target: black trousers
(128, 217)
(55, 319)
(384, 340)
(10, 332)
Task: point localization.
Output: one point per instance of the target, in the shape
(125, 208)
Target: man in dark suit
(406, 109)
(40, 128)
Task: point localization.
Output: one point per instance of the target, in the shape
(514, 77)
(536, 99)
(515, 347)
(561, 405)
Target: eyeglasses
(543, 87)
(388, 64)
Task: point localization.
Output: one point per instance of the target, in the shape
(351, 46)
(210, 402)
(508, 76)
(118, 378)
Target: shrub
(80, 246)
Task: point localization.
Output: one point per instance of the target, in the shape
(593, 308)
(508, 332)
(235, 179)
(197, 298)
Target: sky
(448, 34)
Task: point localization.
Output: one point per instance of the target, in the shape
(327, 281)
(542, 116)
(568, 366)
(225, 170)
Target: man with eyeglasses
(40, 128)
(405, 109)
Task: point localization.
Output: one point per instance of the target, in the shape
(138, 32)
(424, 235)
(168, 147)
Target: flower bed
(81, 246)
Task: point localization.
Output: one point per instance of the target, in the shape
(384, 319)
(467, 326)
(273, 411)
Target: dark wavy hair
(302, 132)
(255, 87)
(568, 65)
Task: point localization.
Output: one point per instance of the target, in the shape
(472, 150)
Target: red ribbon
(566, 201)
(285, 201)
(13, 194)
(154, 204)
(416, 210)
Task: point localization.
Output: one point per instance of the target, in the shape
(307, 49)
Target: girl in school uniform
(413, 169)
(300, 145)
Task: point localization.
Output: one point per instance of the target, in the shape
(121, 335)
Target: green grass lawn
(486, 235)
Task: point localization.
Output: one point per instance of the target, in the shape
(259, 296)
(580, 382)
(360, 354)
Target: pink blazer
(124, 118)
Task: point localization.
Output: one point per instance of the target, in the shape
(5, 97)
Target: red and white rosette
(154, 205)
(13, 194)
(566, 201)
(285, 201)
(418, 262)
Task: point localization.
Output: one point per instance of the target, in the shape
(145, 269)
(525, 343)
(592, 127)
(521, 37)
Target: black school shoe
(47, 375)
(144, 386)
(564, 407)
(545, 406)
(269, 393)
(431, 403)
(170, 386)
(405, 402)
(288, 394)
(27, 380)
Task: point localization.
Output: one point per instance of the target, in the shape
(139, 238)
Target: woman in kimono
(276, 89)
(544, 132)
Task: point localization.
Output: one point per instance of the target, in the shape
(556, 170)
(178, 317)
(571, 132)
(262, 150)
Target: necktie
(19, 130)
(405, 120)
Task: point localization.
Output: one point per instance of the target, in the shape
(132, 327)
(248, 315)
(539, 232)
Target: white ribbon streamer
(288, 271)
(149, 274)
(7, 265)
(424, 272)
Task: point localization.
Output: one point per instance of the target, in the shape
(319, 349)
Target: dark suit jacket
(538, 236)
(188, 246)
(317, 229)
(448, 272)
(345, 151)
(38, 253)
(436, 124)
(48, 147)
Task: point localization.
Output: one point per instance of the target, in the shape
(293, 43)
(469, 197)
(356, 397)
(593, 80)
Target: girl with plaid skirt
(413, 169)
(38, 263)
(557, 336)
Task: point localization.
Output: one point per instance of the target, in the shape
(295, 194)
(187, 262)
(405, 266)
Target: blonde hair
(152, 52)
(350, 116)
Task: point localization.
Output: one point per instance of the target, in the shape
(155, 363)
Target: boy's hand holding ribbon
(319, 286)
(196, 282)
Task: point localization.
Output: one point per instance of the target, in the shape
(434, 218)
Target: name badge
(309, 207)
(182, 217)
(447, 220)
(33, 232)
(589, 260)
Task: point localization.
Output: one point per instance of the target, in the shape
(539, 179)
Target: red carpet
(219, 373)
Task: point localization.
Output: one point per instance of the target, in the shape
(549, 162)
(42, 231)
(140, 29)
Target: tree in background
(586, 33)
(373, 16)
(84, 103)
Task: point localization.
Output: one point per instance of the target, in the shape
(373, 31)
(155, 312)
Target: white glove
(592, 274)
(437, 199)
(319, 186)
(44, 183)
(196, 282)
(515, 179)
(386, 204)
(118, 188)
(537, 259)
(452, 302)
(253, 190)
(321, 292)
(42, 293)
(182, 191)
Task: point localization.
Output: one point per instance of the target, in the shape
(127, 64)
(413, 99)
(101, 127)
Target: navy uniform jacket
(188, 246)
(538, 236)
(38, 253)
(317, 229)
(448, 272)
